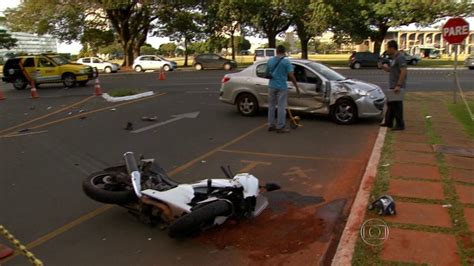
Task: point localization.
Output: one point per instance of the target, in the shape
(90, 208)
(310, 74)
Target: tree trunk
(304, 48)
(379, 37)
(232, 45)
(271, 40)
(185, 52)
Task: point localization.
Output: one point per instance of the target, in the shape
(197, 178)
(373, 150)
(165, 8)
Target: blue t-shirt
(280, 73)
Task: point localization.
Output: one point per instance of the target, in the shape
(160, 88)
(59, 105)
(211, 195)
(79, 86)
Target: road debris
(129, 126)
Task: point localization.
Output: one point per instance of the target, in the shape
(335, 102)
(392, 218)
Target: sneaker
(283, 130)
(271, 128)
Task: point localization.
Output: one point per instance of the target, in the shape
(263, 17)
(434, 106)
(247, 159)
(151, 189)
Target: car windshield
(326, 72)
(59, 60)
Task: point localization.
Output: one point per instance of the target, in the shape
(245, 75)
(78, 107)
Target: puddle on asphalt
(290, 223)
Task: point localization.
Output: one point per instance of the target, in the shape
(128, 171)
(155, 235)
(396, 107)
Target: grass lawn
(459, 110)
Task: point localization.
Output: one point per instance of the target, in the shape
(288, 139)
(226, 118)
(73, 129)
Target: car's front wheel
(227, 66)
(108, 70)
(247, 104)
(357, 65)
(69, 80)
(344, 112)
(198, 67)
(20, 83)
(166, 68)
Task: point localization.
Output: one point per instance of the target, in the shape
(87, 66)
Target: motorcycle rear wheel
(104, 187)
(198, 219)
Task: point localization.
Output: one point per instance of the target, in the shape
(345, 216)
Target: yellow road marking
(220, 148)
(86, 113)
(289, 156)
(105, 208)
(46, 115)
(251, 165)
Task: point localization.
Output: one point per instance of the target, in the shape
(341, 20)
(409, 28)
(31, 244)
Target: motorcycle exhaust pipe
(132, 169)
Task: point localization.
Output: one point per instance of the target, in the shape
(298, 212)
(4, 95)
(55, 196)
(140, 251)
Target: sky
(75, 47)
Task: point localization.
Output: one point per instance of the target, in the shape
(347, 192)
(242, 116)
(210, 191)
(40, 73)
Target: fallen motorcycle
(149, 193)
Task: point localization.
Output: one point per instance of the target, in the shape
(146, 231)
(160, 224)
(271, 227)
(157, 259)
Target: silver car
(322, 91)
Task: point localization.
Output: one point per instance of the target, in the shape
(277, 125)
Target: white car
(100, 64)
(153, 62)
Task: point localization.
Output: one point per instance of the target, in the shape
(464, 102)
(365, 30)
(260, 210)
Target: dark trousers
(394, 111)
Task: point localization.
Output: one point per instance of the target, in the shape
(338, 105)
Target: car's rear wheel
(357, 65)
(108, 70)
(19, 83)
(138, 69)
(247, 104)
(198, 66)
(471, 68)
(227, 66)
(414, 62)
(69, 80)
(166, 68)
(344, 112)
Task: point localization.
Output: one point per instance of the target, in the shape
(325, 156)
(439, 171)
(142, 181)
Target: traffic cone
(98, 90)
(5, 251)
(34, 92)
(162, 74)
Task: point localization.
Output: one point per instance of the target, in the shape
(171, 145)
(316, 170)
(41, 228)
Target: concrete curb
(109, 98)
(347, 243)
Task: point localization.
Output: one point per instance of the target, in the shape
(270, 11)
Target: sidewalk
(432, 183)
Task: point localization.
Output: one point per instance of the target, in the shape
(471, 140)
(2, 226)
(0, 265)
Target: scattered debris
(70, 113)
(103, 239)
(25, 113)
(129, 126)
(203, 161)
(146, 118)
(83, 117)
(447, 206)
(81, 111)
(385, 165)
(428, 117)
(23, 130)
(149, 239)
(49, 108)
(32, 107)
(113, 109)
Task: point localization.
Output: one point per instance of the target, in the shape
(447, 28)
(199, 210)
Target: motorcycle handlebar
(130, 162)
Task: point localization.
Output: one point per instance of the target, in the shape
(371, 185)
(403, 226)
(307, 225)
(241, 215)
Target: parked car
(101, 65)
(410, 59)
(363, 59)
(46, 69)
(264, 53)
(323, 91)
(153, 62)
(244, 52)
(469, 62)
(204, 61)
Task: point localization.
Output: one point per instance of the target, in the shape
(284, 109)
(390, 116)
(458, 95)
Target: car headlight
(83, 71)
(361, 92)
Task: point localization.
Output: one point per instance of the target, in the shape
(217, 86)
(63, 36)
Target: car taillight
(225, 79)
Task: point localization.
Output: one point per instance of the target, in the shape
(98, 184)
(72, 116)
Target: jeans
(277, 97)
(394, 111)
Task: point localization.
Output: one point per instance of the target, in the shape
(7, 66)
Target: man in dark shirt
(397, 86)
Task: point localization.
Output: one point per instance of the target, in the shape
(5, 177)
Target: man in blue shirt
(280, 69)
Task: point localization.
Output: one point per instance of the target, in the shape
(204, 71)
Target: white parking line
(24, 134)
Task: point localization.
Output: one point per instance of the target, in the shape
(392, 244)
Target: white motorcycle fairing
(178, 198)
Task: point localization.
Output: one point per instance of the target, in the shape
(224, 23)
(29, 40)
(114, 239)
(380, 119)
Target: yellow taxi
(46, 68)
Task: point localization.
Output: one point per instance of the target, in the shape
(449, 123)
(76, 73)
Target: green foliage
(167, 49)
(96, 38)
(6, 40)
(147, 49)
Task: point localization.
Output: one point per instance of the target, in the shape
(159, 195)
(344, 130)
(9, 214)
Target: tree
(6, 40)
(271, 17)
(361, 19)
(68, 20)
(311, 18)
(148, 49)
(93, 39)
(167, 49)
(180, 21)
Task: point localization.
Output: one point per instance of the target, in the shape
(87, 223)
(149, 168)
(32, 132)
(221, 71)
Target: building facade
(31, 43)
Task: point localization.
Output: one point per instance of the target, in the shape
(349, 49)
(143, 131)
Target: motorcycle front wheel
(105, 187)
(198, 219)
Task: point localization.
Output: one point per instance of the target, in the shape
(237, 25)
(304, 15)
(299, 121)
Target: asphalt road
(71, 135)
